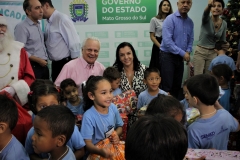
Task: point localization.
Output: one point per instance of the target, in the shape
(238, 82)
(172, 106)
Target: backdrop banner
(125, 11)
(14, 13)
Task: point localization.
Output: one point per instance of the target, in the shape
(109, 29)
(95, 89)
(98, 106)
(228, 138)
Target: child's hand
(114, 138)
(106, 153)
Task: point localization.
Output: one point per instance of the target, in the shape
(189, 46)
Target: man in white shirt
(61, 38)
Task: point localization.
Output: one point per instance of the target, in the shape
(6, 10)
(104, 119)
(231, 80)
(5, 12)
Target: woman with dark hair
(132, 71)
(213, 29)
(156, 23)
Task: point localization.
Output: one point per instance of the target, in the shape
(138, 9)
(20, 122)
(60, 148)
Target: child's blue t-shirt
(14, 150)
(69, 156)
(76, 110)
(117, 92)
(222, 59)
(145, 98)
(76, 142)
(95, 125)
(212, 132)
(225, 99)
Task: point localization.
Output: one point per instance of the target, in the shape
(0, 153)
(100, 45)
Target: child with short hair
(191, 113)
(10, 147)
(184, 101)
(166, 105)
(156, 137)
(152, 79)
(70, 93)
(221, 48)
(43, 96)
(101, 117)
(223, 74)
(114, 77)
(212, 129)
(53, 127)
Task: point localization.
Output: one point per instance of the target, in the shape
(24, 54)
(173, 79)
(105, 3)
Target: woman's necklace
(209, 113)
(216, 23)
(129, 75)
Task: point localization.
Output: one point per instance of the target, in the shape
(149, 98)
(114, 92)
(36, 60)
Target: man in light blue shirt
(177, 33)
(29, 32)
(61, 38)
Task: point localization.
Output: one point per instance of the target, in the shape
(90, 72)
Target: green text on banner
(125, 11)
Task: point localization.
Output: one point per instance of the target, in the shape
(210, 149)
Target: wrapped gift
(118, 150)
(213, 154)
(126, 102)
(124, 128)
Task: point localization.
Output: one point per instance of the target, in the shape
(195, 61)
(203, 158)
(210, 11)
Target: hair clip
(59, 90)
(30, 93)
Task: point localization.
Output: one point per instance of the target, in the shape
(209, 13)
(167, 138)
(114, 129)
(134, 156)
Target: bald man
(176, 46)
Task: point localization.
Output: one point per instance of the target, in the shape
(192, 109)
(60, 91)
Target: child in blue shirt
(114, 77)
(74, 102)
(43, 96)
(212, 129)
(221, 48)
(191, 113)
(53, 127)
(101, 117)
(10, 148)
(152, 79)
(223, 74)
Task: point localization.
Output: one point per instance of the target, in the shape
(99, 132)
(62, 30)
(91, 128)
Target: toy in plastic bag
(192, 115)
(142, 111)
(116, 149)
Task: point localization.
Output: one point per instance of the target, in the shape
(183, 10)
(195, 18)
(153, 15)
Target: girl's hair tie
(59, 90)
(30, 93)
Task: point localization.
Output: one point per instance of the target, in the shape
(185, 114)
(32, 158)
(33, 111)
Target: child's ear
(221, 78)
(3, 127)
(196, 100)
(61, 140)
(90, 95)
